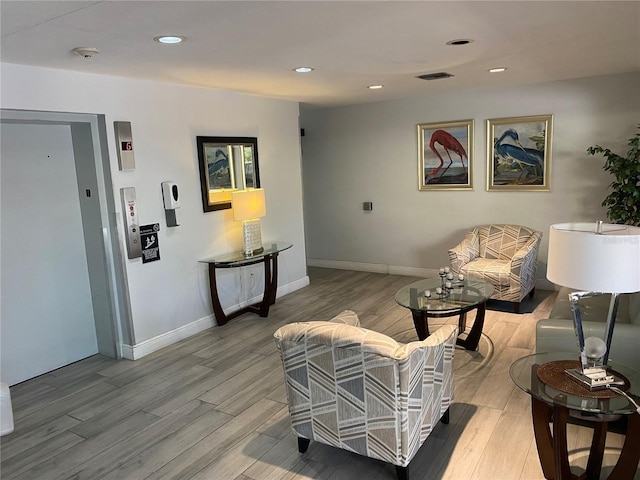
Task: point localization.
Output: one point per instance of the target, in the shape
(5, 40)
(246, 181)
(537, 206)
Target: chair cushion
(494, 271)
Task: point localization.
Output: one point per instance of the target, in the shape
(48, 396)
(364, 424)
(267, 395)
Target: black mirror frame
(206, 206)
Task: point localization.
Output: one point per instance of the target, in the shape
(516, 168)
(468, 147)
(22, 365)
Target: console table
(269, 256)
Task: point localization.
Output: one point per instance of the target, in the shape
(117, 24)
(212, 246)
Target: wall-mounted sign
(149, 241)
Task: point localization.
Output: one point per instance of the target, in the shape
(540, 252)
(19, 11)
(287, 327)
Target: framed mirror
(226, 164)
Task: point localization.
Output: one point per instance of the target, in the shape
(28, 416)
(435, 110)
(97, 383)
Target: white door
(46, 308)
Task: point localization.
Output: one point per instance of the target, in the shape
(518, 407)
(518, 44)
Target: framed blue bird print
(519, 153)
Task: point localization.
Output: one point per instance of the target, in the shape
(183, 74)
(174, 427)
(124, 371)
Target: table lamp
(596, 259)
(248, 206)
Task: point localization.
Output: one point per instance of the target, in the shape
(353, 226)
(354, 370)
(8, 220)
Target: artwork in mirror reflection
(226, 164)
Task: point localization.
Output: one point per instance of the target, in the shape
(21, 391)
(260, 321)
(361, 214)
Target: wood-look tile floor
(213, 406)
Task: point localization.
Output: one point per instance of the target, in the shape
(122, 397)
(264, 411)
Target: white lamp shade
(582, 259)
(248, 204)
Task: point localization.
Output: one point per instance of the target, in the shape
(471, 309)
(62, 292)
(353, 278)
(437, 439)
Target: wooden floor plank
(213, 406)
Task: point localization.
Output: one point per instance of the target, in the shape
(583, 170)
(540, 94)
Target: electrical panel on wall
(124, 146)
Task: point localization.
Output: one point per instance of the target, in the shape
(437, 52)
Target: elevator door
(47, 318)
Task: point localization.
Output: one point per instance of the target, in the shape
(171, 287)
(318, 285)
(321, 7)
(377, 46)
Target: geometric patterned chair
(505, 256)
(362, 391)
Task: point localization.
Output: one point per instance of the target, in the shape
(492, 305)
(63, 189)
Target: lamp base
(594, 378)
(251, 237)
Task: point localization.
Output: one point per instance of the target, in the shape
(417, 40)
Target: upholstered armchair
(362, 391)
(504, 255)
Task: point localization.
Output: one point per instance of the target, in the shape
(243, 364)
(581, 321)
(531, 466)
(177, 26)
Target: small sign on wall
(149, 240)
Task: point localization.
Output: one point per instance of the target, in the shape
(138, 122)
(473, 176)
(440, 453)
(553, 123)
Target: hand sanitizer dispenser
(171, 199)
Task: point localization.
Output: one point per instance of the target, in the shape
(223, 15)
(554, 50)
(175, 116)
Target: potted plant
(623, 203)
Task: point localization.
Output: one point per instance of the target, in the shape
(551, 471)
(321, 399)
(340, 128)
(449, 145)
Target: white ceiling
(253, 46)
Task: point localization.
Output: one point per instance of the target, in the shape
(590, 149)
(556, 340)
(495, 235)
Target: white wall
(369, 153)
(173, 293)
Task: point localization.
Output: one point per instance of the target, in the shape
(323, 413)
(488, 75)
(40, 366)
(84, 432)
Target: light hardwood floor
(213, 406)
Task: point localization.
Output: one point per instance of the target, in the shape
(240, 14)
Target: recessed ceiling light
(170, 39)
(303, 69)
(497, 69)
(375, 87)
(460, 41)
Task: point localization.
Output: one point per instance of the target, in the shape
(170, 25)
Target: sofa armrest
(465, 251)
(558, 335)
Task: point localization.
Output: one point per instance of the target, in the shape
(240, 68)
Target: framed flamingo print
(519, 153)
(445, 155)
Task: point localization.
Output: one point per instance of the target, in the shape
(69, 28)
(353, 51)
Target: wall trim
(135, 352)
(541, 283)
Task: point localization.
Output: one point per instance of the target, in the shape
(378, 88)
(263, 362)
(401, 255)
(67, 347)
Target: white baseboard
(372, 268)
(139, 350)
(541, 283)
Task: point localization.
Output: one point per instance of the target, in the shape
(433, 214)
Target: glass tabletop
(463, 294)
(236, 259)
(524, 373)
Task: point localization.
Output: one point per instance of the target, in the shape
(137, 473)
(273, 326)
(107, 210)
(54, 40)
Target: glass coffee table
(463, 296)
(555, 396)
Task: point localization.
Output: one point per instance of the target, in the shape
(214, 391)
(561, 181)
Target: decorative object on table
(519, 153)
(445, 155)
(355, 389)
(596, 259)
(504, 255)
(226, 164)
(248, 207)
(623, 203)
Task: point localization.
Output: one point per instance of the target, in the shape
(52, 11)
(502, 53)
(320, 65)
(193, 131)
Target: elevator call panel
(131, 224)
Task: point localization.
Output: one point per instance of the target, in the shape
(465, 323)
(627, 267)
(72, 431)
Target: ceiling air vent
(434, 76)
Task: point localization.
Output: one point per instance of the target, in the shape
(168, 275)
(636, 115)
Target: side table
(269, 256)
(465, 296)
(553, 398)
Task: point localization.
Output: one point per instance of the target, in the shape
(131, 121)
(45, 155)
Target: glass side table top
(236, 259)
(523, 372)
(464, 294)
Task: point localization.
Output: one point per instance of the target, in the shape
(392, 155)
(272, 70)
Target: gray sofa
(556, 333)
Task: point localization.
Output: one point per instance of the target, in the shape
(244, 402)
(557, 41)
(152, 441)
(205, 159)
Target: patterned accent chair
(506, 256)
(361, 391)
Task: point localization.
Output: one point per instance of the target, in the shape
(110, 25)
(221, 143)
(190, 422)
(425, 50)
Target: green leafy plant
(623, 203)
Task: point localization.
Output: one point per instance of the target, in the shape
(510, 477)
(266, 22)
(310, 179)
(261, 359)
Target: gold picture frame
(519, 153)
(445, 155)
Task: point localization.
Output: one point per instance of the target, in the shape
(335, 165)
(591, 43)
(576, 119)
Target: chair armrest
(526, 255)
(348, 317)
(465, 251)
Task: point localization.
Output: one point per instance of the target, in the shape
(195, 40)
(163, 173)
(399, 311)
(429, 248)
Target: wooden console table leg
(274, 279)
(541, 414)
(627, 465)
(270, 283)
(221, 318)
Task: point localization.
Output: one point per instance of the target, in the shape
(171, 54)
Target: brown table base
(553, 452)
(270, 287)
(420, 321)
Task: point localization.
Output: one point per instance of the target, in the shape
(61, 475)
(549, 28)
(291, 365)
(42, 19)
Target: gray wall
(369, 153)
(169, 299)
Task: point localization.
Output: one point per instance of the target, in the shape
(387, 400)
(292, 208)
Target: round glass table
(463, 296)
(555, 396)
